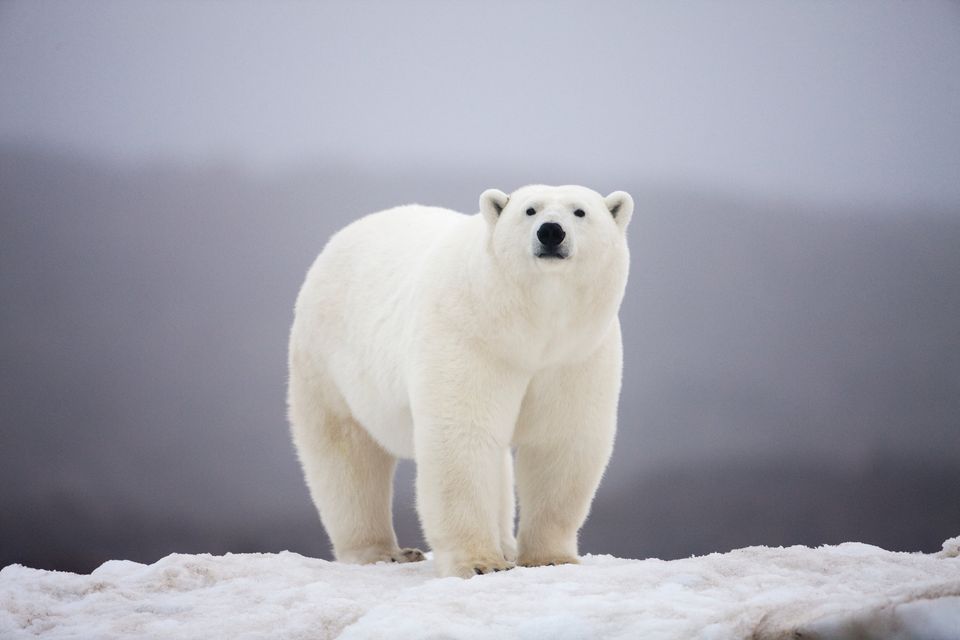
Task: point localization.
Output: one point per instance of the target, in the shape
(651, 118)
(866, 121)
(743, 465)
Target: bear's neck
(546, 319)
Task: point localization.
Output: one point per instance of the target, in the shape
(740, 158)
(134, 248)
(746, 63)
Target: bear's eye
(531, 211)
(579, 213)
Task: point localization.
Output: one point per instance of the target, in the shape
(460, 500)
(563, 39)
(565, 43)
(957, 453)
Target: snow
(851, 591)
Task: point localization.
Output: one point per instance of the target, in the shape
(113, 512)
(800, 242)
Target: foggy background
(169, 170)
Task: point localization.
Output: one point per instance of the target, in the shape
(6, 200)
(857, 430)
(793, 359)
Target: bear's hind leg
(350, 477)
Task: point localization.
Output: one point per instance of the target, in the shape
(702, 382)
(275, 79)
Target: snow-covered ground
(847, 591)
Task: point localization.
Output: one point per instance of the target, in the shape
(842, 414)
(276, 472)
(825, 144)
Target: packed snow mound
(847, 591)
(951, 548)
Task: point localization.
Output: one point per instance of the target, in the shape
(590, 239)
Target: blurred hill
(792, 369)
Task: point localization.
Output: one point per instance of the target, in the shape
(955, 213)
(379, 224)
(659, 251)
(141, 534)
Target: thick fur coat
(454, 340)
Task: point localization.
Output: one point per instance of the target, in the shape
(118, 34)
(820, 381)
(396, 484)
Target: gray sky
(830, 101)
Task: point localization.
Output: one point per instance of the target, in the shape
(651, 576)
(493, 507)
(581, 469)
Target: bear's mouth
(551, 255)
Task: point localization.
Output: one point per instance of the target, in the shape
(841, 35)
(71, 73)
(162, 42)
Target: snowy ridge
(851, 590)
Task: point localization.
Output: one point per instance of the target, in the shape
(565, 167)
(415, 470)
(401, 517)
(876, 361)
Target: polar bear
(453, 339)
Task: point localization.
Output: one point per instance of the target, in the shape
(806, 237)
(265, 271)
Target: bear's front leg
(464, 417)
(564, 439)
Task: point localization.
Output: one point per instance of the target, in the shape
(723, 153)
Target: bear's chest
(553, 325)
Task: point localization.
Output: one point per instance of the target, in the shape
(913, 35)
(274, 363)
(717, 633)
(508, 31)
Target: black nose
(550, 234)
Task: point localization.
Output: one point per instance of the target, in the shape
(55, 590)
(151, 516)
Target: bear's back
(367, 268)
(379, 253)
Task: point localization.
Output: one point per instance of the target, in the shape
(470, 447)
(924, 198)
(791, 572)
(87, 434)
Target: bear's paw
(372, 555)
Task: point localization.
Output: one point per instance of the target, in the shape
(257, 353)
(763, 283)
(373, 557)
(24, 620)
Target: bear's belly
(377, 402)
(391, 426)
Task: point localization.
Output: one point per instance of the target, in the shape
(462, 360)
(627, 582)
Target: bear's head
(553, 229)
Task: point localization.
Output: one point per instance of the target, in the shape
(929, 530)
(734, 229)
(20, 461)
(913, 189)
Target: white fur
(425, 333)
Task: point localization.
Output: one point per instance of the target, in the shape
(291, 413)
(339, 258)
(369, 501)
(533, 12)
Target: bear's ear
(492, 202)
(620, 205)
